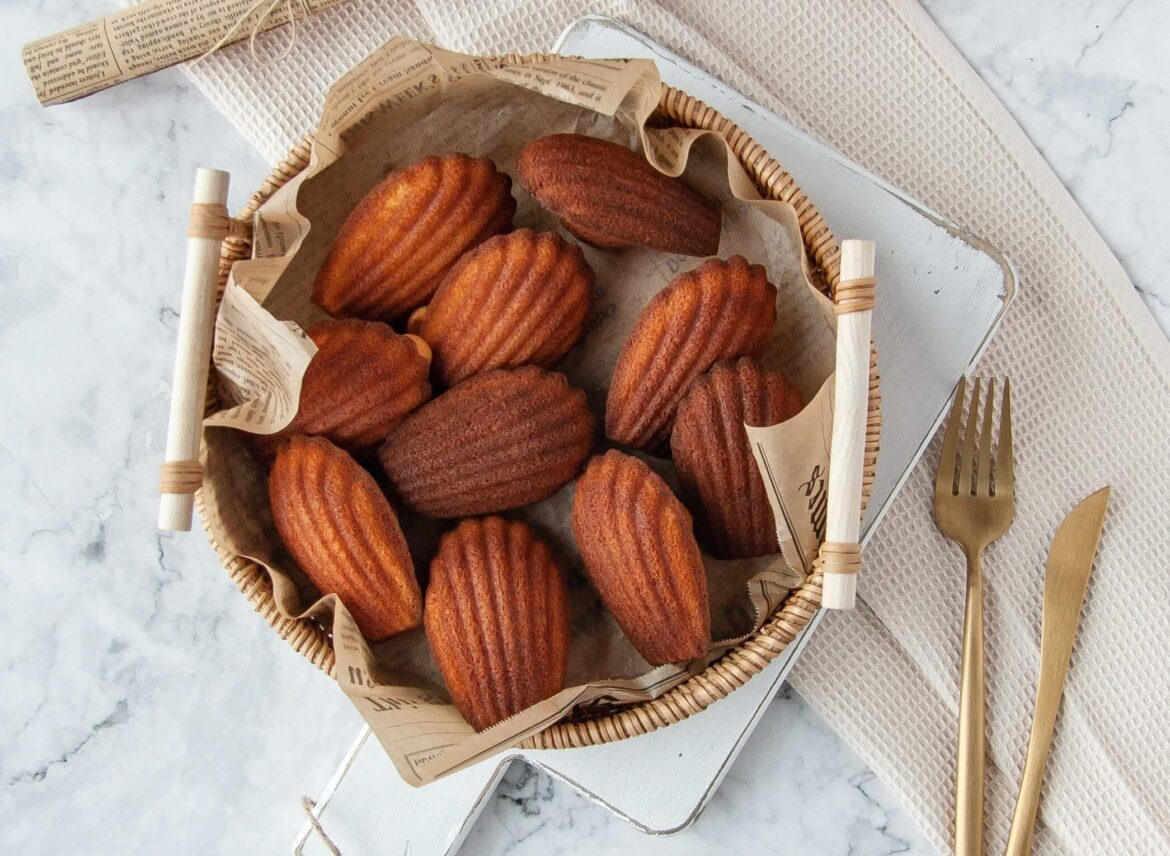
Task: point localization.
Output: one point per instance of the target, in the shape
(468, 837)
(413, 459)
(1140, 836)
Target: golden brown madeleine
(362, 381)
(716, 468)
(518, 299)
(394, 249)
(343, 533)
(610, 196)
(498, 440)
(497, 619)
(640, 552)
(719, 310)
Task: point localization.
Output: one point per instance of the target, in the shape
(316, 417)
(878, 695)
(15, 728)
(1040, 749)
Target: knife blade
(1070, 560)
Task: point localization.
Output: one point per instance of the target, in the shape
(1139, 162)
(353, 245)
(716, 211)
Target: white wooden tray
(941, 296)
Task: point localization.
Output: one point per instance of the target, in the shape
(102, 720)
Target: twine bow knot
(266, 8)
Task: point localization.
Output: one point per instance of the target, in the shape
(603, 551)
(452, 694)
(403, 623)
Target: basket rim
(736, 666)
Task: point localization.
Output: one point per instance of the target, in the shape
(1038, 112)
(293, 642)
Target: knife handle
(969, 772)
(1062, 607)
(1028, 803)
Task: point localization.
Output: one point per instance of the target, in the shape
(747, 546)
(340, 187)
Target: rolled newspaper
(181, 472)
(145, 38)
(840, 554)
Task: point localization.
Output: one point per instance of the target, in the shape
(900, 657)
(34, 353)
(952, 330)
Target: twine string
(308, 805)
(269, 6)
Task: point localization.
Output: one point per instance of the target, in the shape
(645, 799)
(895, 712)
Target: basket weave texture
(734, 668)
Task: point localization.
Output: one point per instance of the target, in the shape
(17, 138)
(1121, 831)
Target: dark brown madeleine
(498, 440)
(399, 242)
(716, 468)
(640, 552)
(721, 309)
(342, 532)
(497, 619)
(362, 381)
(610, 196)
(518, 299)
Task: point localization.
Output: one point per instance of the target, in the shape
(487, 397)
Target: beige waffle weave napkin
(1091, 371)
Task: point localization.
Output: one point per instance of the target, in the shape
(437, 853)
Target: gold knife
(1065, 582)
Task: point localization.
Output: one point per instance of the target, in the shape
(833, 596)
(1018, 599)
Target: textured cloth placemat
(1090, 369)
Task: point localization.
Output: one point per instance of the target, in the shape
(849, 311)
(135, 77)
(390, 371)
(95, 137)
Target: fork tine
(967, 465)
(944, 481)
(983, 483)
(1005, 477)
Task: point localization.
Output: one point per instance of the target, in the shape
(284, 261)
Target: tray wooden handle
(840, 554)
(181, 473)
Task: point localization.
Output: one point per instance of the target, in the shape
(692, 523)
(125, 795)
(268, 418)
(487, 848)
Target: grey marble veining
(143, 706)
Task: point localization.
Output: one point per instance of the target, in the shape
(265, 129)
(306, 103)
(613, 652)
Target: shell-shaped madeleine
(517, 299)
(497, 619)
(345, 536)
(716, 469)
(610, 196)
(639, 550)
(362, 381)
(498, 440)
(395, 247)
(721, 309)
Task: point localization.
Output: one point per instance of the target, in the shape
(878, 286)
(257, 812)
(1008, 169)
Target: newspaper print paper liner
(260, 360)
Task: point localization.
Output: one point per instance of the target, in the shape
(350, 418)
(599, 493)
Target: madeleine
(640, 552)
(721, 309)
(497, 619)
(345, 536)
(399, 242)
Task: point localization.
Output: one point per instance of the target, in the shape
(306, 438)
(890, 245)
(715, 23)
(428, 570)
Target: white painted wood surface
(192, 351)
(850, 405)
(659, 782)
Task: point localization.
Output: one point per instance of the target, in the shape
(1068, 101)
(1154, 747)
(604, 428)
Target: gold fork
(974, 499)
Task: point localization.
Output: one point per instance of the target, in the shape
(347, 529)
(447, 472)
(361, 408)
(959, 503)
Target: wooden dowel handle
(181, 472)
(840, 555)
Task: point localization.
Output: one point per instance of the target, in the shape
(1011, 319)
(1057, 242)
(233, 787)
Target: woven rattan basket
(734, 668)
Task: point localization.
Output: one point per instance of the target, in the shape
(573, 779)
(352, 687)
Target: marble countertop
(127, 723)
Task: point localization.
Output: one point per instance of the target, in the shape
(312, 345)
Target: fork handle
(969, 780)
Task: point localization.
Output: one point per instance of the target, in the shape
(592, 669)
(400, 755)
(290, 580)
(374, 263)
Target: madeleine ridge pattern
(639, 550)
(363, 380)
(517, 299)
(722, 309)
(610, 196)
(716, 468)
(497, 619)
(337, 524)
(399, 242)
(498, 440)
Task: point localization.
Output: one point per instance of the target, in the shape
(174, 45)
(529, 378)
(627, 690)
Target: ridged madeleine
(721, 309)
(497, 619)
(498, 440)
(362, 381)
(345, 536)
(610, 196)
(639, 550)
(399, 242)
(716, 469)
(517, 299)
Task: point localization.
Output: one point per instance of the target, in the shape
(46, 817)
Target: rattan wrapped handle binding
(839, 558)
(182, 473)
